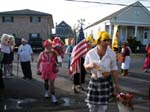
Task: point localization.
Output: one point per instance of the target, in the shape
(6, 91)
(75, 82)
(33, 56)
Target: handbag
(59, 59)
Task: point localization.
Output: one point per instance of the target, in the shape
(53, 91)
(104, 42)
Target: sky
(68, 11)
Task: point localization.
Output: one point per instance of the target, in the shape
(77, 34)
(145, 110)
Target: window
(8, 19)
(35, 19)
(34, 36)
(145, 35)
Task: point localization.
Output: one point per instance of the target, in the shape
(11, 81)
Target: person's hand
(32, 58)
(38, 72)
(95, 66)
(94, 76)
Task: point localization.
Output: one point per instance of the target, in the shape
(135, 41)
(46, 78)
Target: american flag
(78, 51)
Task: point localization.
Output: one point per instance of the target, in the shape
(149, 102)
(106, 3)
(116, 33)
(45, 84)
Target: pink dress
(46, 66)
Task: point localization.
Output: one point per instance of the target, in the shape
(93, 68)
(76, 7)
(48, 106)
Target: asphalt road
(27, 95)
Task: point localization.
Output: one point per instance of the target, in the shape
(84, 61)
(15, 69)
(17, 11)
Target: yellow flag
(115, 43)
(115, 38)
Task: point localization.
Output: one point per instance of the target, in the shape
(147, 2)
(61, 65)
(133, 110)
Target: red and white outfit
(46, 66)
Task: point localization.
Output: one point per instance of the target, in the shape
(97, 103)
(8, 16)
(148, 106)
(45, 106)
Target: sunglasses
(106, 40)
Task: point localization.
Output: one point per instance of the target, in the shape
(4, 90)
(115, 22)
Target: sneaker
(46, 95)
(54, 100)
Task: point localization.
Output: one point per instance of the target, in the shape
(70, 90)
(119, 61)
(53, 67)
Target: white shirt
(5, 48)
(106, 64)
(24, 52)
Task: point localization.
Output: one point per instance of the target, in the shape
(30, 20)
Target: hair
(5, 38)
(12, 39)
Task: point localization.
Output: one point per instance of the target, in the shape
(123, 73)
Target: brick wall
(22, 27)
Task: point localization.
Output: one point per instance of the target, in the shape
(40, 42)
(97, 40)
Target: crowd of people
(99, 61)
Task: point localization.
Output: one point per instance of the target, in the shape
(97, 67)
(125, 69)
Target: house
(29, 24)
(132, 21)
(63, 30)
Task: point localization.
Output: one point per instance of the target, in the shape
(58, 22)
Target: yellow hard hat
(90, 39)
(102, 35)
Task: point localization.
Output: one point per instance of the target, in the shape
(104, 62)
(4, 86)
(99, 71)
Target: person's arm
(114, 73)
(31, 52)
(39, 62)
(115, 78)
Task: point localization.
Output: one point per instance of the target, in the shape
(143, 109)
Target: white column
(110, 29)
(135, 32)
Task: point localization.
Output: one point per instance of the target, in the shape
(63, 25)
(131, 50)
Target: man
(101, 62)
(25, 55)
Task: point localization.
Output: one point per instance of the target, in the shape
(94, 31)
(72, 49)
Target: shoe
(76, 91)
(24, 77)
(46, 95)
(54, 100)
(12, 75)
(81, 88)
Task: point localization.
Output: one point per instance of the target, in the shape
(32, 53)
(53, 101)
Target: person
(146, 66)
(1, 71)
(25, 55)
(101, 62)
(45, 65)
(125, 64)
(12, 47)
(68, 51)
(5, 49)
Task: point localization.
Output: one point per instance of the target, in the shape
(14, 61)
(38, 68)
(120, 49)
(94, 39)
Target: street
(27, 95)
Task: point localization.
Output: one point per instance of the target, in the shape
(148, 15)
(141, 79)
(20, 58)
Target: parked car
(17, 43)
(36, 43)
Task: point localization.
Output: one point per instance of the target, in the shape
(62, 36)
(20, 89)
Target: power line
(105, 3)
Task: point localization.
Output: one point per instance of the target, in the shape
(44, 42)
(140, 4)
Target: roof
(64, 30)
(24, 12)
(115, 14)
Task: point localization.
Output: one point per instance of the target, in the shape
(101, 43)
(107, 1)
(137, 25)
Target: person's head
(72, 41)
(125, 44)
(11, 40)
(5, 39)
(90, 41)
(47, 45)
(103, 39)
(23, 41)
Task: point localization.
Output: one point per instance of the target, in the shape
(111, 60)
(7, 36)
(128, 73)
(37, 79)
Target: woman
(69, 51)
(101, 62)
(125, 64)
(46, 66)
(12, 47)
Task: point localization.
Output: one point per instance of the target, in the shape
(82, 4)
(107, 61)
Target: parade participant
(146, 66)
(25, 55)
(125, 64)
(101, 62)
(1, 71)
(58, 45)
(46, 65)
(69, 51)
(5, 49)
(12, 47)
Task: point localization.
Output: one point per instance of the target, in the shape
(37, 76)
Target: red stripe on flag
(79, 50)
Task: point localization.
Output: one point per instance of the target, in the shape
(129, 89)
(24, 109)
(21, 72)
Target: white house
(133, 20)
